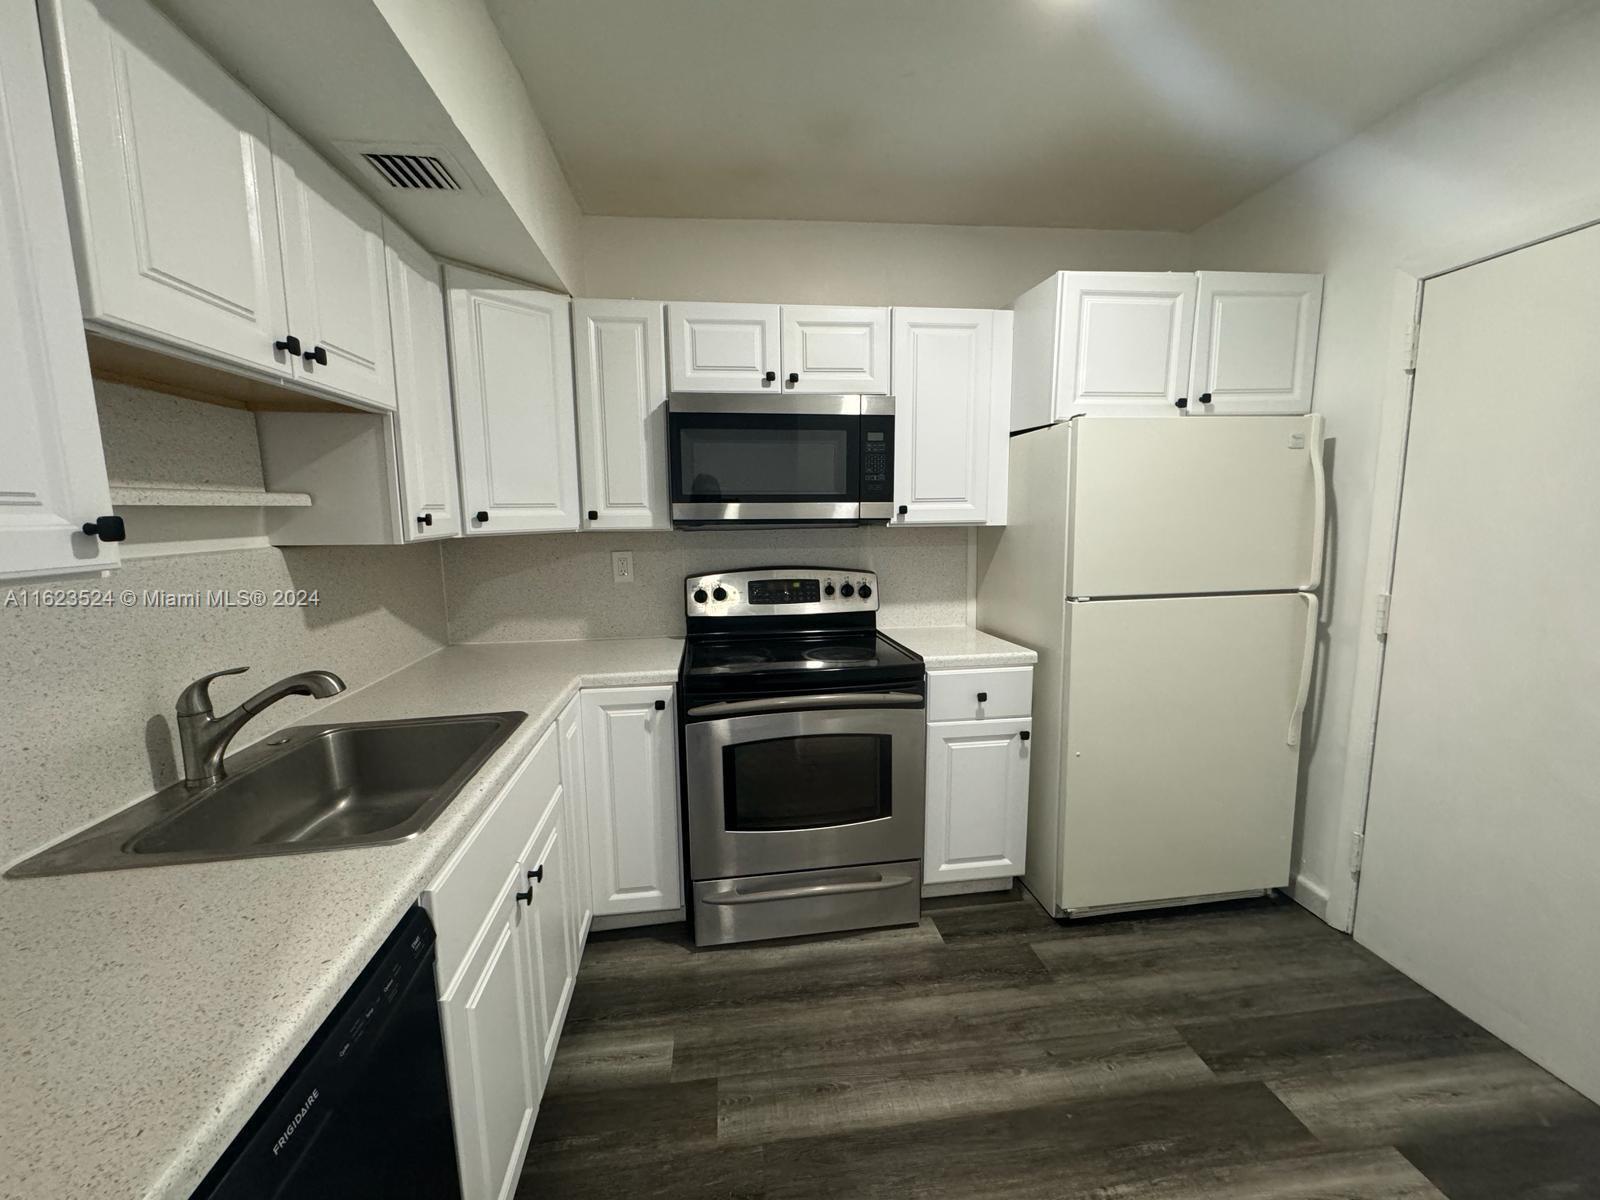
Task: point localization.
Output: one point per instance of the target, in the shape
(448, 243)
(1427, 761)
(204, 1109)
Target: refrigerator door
(1164, 507)
(1181, 752)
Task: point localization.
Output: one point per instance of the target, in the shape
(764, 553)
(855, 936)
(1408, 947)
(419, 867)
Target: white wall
(837, 262)
(1515, 138)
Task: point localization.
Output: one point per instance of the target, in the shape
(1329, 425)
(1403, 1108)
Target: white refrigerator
(1165, 569)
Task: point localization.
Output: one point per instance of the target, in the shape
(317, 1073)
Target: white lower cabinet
(977, 779)
(574, 784)
(551, 956)
(630, 744)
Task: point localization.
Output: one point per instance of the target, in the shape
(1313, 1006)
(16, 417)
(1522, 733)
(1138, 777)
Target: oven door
(794, 789)
(778, 459)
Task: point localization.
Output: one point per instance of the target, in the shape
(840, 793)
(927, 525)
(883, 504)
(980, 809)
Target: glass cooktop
(785, 653)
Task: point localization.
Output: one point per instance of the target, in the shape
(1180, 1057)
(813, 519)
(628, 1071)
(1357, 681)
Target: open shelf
(133, 496)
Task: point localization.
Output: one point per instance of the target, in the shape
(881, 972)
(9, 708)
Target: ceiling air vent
(424, 172)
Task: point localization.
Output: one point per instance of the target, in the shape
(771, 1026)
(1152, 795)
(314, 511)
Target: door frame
(1410, 276)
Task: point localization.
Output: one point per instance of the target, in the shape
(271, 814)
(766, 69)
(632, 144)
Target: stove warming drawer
(793, 903)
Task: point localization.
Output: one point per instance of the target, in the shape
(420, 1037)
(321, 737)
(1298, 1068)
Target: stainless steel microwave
(780, 460)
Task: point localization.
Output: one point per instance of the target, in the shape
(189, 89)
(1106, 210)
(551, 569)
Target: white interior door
(52, 471)
(1479, 874)
(1182, 745)
(622, 413)
(832, 349)
(1255, 342)
(723, 347)
(1162, 507)
(1125, 342)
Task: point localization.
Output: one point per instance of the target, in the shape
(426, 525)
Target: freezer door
(1164, 507)
(1182, 746)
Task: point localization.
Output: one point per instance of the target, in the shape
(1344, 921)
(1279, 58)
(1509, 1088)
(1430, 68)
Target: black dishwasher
(365, 1109)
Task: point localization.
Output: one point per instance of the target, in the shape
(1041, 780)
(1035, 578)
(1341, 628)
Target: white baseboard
(1310, 895)
(967, 887)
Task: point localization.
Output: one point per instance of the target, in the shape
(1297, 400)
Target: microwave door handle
(882, 884)
(732, 708)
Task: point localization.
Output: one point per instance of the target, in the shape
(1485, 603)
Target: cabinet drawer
(463, 894)
(953, 695)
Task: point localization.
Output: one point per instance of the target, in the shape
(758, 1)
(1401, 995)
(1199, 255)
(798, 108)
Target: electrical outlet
(622, 566)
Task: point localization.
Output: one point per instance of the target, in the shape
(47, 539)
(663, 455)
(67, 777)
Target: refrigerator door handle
(1307, 661)
(1319, 511)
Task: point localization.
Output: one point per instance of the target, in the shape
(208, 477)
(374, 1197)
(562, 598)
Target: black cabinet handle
(593, 515)
(794, 377)
(1025, 735)
(290, 343)
(904, 510)
(317, 355)
(1181, 402)
(107, 529)
(425, 519)
(661, 706)
(1205, 397)
(983, 697)
(482, 517)
(769, 377)
(537, 874)
(527, 896)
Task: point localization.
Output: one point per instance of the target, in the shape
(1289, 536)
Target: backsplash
(89, 725)
(559, 587)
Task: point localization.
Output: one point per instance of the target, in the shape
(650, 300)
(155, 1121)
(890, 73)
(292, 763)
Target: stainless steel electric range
(803, 739)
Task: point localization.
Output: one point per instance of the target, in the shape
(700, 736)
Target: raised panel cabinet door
(631, 749)
(1125, 340)
(511, 364)
(832, 349)
(1255, 342)
(52, 471)
(942, 388)
(570, 731)
(335, 275)
(489, 1050)
(622, 413)
(977, 819)
(723, 347)
(424, 416)
(552, 966)
(171, 186)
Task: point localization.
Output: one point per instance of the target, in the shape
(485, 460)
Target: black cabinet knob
(527, 896)
(903, 510)
(537, 874)
(769, 377)
(1181, 402)
(290, 343)
(661, 706)
(1205, 397)
(1025, 735)
(794, 377)
(594, 515)
(983, 697)
(482, 517)
(317, 355)
(107, 529)
(425, 519)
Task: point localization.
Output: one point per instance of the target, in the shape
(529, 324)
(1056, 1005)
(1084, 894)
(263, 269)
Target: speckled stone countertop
(147, 1013)
(946, 647)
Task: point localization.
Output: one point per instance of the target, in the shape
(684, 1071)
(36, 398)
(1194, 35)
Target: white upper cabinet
(1125, 340)
(172, 188)
(52, 472)
(424, 418)
(511, 363)
(944, 377)
(630, 740)
(1255, 342)
(334, 275)
(832, 349)
(723, 347)
(620, 347)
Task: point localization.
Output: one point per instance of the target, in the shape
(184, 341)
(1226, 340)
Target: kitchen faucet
(205, 738)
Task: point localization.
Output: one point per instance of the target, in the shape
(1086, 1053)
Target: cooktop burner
(840, 654)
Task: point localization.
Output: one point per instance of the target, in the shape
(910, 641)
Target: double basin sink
(309, 787)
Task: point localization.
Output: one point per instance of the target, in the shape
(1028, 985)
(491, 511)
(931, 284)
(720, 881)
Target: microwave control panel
(877, 458)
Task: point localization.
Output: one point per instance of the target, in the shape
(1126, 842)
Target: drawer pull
(983, 697)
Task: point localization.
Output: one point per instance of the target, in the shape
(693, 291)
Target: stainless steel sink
(311, 787)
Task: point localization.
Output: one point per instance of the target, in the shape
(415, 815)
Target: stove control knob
(847, 591)
(866, 591)
(720, 593)
(699, 595)
(828, 591)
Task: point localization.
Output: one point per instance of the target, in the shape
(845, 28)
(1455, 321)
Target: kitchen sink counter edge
(148, 1012)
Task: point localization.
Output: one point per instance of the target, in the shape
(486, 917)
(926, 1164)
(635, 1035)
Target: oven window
(806, 782)
(775, 458)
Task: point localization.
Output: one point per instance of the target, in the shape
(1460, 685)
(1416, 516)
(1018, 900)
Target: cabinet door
(622, 413)
(830, 349)
(977, 819)
(552, 967)
(942, 378)
(52, 472)
(334, 274)
(723, 347)
(511, 363)
(424, 417)
(1255, 342)
(171, 175)
(1125, 339)
(490, 1052)
(632, 750)
(570, 732)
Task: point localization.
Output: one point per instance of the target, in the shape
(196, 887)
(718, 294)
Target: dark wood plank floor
(1240, 1052)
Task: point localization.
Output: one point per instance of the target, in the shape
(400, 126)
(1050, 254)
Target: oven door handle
(882, 884)
(733, 708)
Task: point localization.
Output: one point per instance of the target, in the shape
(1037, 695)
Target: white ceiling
(1111, 114)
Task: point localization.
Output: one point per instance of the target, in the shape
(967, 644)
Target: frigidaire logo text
(294, 1122)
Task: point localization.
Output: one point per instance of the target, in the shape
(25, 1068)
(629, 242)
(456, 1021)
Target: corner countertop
(146, 1013)
(948, 647)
